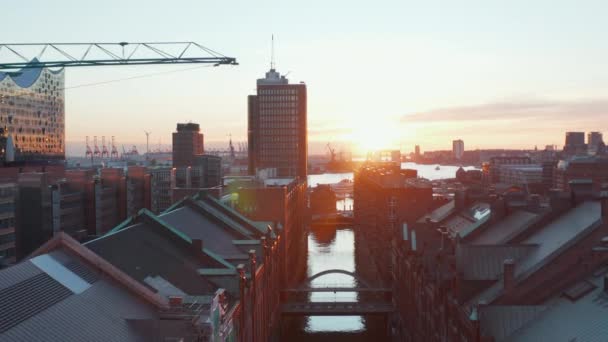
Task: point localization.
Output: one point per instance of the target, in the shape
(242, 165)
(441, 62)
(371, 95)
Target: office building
(187, 143)
(277, 128)
(594, 138)
(458, 149)
(524, 174)
(595, 142)
(493, 169)
(32, 119)
(575, 143)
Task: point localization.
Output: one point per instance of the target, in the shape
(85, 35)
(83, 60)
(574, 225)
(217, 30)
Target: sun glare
(373, 135)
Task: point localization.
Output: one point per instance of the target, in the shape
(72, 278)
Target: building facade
(575, 143)
(32, 118)
(277, 126)
(496, 162)
(458, 148)
(521, 174)
(384, 197)
(187, 143)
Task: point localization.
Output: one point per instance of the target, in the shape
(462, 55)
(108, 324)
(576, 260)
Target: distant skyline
(496, 74)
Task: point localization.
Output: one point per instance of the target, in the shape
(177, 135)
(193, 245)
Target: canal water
(332, 248)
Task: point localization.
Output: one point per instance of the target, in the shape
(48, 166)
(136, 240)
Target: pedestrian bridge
(372, 300)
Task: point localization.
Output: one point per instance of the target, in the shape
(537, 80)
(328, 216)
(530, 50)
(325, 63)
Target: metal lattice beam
(100, 54)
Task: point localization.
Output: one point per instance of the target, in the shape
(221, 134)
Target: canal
(334, 248)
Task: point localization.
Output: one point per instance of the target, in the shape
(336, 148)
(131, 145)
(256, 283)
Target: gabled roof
(197, 226)
(36, 306)
(582, 319)
(66, 242)
(552, 240)
(152, 248)
(440, 213)
(468, 220)
(507, 228)
(485, 262)
(500, 321)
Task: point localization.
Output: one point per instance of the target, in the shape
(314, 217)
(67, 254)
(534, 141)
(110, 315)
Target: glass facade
(32, 114)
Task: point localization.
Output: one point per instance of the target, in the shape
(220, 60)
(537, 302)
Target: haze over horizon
(391, 74)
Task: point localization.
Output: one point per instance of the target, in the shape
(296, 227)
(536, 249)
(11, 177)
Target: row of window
(277, 91)
(265, 105)
(291, 98)
(282, 112)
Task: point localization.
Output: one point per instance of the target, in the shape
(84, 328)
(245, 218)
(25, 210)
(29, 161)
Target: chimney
(197, 245)
(509, 274)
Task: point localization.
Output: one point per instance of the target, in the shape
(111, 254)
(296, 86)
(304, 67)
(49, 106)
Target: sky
(381, 74)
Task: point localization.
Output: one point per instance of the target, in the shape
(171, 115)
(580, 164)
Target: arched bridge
(362, 306)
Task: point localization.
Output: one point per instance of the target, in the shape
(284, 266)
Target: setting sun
(375, 135)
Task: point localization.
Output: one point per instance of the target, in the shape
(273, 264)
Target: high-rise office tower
(575, 142)
(458, 148)
(277, 128)
(187, 143)
(594, 140)
(32, 125)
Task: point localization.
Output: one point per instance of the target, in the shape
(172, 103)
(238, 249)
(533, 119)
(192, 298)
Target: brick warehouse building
(500, 271)
(384, 196)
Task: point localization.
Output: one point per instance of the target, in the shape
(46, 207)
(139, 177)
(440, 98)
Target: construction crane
(49, 55)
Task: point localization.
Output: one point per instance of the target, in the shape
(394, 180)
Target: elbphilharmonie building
(32, 115)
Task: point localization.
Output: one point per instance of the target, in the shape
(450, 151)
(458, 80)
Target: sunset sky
(508, 74)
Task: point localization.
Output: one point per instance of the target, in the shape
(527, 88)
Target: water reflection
(331, 248)
(323, 255)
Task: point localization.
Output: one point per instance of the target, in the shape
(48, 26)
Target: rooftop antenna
(272, 54)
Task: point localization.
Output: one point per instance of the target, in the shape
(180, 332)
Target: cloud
(543, 111)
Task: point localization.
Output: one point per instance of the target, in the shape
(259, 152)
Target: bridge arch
(306, 282)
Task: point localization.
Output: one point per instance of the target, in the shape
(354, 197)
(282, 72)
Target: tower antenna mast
(272, 64)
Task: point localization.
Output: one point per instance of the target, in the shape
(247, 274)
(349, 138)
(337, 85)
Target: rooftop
(551, 240)
(38, 305)
(507, 228)
(564, 319)
(146, 250)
